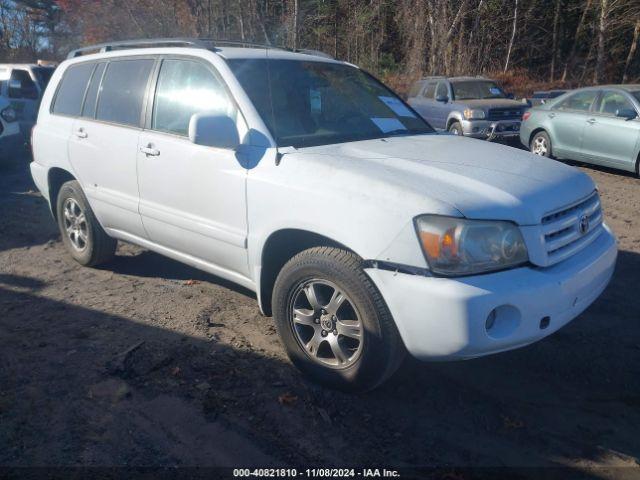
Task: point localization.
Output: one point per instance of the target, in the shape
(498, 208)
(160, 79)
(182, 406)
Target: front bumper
(445, 318)
(490, 130)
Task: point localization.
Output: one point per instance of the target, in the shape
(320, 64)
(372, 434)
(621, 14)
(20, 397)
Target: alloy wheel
(326, 323)
(539, 146)
(75, 224)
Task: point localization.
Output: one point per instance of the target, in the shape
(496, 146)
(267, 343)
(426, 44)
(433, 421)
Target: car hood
(492, 103)
(481, 180)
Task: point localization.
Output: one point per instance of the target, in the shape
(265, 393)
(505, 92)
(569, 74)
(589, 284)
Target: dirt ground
(147, 362)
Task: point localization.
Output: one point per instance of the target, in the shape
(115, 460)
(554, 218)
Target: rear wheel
(82, 235)
(333, 322)
(541, 145)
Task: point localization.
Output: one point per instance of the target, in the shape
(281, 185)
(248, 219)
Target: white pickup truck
(362, 231)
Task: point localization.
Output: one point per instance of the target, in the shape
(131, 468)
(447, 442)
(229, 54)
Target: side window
(415, 89)
(184, 89)
(122, 92)
(27, 88)
(430, 91)
(442, 90)
(89, 109)
(611, 102)
(580, 101)
(68, 100)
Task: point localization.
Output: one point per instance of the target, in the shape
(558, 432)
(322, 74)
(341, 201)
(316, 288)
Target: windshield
(636, 94)
(309, 103)
(476, 90)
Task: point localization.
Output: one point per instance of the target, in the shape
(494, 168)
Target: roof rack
(204, 43)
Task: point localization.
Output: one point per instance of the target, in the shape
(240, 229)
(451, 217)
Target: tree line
(554, 42)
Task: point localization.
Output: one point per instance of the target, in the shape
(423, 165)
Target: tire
(82, 235)
(368, 340)
(541, 145)
(455, 128)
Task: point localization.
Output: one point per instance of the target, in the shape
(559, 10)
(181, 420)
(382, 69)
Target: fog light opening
(544, 323)
(491, 320)
(502, 321)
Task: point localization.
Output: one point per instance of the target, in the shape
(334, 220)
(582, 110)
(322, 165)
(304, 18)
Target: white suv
(306, 180)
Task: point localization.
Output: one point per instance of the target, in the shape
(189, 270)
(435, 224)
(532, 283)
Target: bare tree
(513, 35)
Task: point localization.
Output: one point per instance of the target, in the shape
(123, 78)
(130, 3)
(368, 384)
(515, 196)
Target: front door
(192, 198)
(611, 140)
(441, 109)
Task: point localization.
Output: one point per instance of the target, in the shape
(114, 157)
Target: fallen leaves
(191, 282)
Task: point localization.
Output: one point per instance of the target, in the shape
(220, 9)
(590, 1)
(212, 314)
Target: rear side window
(122, 92)
(70, 94)
(415, 89)
(184, 89)
(430, 91)
(581, 101)
(89, 109)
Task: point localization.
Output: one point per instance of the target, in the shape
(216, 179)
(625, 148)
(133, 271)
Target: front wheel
(455, 128)
(541, 145)
(333, 322)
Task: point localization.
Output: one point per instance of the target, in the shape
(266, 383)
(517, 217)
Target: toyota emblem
(584, 224)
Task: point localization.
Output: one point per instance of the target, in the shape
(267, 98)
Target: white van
(362, 231)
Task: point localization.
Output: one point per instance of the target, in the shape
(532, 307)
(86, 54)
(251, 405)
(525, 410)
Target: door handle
(80, 133)
(591, 121)
(551, 115)
(149, 151)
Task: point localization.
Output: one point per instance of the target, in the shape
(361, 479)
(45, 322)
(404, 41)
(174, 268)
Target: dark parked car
(471, 106)
(594, 125)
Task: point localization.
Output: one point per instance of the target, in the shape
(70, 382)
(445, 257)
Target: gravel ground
(148, 362)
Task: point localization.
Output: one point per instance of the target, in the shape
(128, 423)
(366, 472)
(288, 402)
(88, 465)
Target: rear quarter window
(68, 99)
(122, 93)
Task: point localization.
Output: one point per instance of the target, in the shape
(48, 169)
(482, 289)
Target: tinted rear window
(71, 91)
(122, 93)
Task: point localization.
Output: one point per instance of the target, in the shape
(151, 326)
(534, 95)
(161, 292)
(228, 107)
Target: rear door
(193, 198)
(104, 141)
(608, 139)
(567, 122)
(423, 102)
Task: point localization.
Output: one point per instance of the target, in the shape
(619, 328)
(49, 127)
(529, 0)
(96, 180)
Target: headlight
(457, 246)
(8, 114)
(471, 114)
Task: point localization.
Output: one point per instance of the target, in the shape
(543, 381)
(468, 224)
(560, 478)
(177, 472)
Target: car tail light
(525, 116)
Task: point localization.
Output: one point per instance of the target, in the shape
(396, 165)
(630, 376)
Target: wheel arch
(534, 132)
(453, 118)
(56, 177)
(279, 248)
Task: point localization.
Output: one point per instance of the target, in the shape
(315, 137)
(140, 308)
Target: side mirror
(214, 130)
(442, 98)
(510, 96)
(626, 113)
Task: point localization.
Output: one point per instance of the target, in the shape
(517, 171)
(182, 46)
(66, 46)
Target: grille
(504, 114)
(572, 228)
